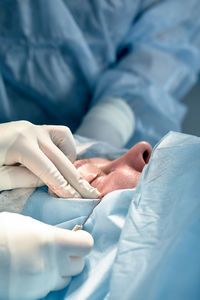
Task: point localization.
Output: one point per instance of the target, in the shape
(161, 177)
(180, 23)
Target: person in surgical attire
(113, 71)
(109, 70)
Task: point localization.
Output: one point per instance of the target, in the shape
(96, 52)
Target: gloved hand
(36, 258)
(111, 120)
(45, 154)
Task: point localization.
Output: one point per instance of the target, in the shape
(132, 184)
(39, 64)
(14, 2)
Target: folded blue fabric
(147, 243)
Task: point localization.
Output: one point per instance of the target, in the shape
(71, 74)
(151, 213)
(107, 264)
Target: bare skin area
(122, 173)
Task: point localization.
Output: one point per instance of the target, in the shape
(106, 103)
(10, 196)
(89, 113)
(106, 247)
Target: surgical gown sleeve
(157, 63)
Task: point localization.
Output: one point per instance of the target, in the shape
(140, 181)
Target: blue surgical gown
(59, 58)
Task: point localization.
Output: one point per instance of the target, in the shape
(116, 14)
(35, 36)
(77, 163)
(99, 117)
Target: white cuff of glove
(111, 120)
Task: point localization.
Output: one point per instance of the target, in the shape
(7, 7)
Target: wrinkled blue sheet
(147, 240)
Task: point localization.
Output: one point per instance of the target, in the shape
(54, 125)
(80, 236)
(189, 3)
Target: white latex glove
(45, 154)
(111, 120)
(36, 258)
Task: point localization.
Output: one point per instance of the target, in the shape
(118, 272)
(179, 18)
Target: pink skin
(121, 173)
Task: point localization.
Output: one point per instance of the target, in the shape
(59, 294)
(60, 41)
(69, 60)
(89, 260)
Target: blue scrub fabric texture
(60, 58)
(147, 243)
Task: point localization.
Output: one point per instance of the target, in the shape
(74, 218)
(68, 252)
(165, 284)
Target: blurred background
(191, 123)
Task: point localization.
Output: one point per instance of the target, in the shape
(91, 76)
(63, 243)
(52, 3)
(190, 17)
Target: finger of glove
(70, 192)
(77, 243)
(62, 282)
(39, 164)
(62, 137)
(68, 170)
(68, 266)
(17, 177)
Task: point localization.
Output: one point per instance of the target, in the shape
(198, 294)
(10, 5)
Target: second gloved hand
(36, 258)
(32, 155)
